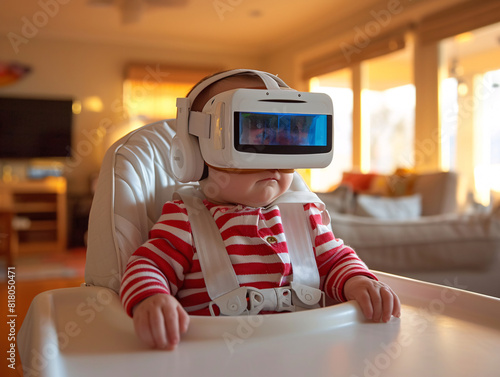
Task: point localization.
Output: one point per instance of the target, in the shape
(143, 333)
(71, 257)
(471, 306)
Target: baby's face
(257, 188)
(254, 188)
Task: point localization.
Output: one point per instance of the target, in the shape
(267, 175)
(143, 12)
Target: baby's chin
(259, 202)
(260, 196)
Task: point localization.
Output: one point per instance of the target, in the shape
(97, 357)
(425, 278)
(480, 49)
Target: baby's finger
(183, 319)
(396, 311)
(142, 328)
(376, 303)
(387, 303)
(364, 300)
(157, 328)
(171, 322)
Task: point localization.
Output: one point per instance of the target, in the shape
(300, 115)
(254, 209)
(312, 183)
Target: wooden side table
(6, 231)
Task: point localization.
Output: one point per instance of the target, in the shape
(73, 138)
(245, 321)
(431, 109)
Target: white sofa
(440, 246)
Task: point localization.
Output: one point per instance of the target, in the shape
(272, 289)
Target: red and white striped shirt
(255, 241)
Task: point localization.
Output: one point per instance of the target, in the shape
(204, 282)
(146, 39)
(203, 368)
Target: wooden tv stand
(39, 214)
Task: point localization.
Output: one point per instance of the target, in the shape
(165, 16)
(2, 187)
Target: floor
(33, 275)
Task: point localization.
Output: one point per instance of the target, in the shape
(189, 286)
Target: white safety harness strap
(298, 240)
(221, 280)
(209, 245)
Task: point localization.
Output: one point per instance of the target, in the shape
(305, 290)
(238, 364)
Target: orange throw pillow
(359, 182)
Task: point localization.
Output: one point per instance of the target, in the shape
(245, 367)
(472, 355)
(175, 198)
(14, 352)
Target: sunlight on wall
(93, 103)
(153, 102)
(144, 103)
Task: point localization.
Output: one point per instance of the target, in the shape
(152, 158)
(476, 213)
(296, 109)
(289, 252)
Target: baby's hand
(159, 320)
(376, 299)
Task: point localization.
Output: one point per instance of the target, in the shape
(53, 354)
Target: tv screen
(34, 128)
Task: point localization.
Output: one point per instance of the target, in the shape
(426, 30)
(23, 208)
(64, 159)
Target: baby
(164, 282)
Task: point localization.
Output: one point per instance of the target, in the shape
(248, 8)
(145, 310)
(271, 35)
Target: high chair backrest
(134, 182)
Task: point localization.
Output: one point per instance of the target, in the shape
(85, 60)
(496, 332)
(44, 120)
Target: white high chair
(134, 183)
(84, 330)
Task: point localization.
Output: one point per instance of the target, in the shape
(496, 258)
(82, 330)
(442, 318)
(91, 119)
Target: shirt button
(272, 240)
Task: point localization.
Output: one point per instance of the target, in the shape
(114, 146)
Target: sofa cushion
(358, 182)
(387, 208)
(438, 191)
(445, 242)
(340, 200)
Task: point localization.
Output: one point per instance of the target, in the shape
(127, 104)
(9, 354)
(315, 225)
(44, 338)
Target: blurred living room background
(415, 87)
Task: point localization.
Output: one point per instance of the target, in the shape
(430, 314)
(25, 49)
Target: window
(470, 110)
(391, 127)
(487, 170)
(338, 86)
(388, 112)
(491, 115)
(449, 122)
(387, 117)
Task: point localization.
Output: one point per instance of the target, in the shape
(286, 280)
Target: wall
(83, 69)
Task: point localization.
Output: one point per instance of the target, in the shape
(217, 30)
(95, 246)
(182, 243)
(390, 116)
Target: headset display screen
(282, 133)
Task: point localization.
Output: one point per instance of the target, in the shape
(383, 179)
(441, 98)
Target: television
(35, 128)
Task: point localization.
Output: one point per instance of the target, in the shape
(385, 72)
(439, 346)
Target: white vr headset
(273, 128)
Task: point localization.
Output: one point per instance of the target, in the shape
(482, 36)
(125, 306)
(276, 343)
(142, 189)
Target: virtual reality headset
(271, 128)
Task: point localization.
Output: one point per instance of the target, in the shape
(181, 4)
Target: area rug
(70, 264)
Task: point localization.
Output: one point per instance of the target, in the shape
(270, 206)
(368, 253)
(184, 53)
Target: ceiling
(244, 26)
(467, 54)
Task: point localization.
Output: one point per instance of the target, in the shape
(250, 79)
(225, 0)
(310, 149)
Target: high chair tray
(442, 332)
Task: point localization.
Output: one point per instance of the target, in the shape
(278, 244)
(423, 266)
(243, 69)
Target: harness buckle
(243, 300)
(307, 297)
(284, 299)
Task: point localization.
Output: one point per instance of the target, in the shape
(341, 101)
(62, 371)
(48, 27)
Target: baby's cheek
(286, 181)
